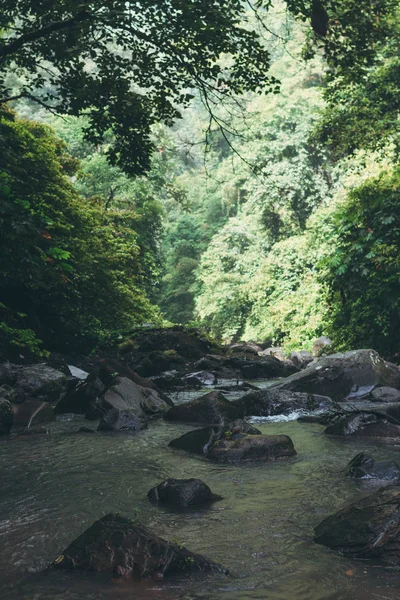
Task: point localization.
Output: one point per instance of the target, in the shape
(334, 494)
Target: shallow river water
(52, 487)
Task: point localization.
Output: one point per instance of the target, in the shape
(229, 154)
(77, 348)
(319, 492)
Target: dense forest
(269, 216)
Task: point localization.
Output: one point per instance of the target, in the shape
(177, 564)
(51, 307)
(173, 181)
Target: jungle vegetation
(225, 164)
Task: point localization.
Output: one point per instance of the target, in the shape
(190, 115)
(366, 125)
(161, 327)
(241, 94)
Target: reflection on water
(53, 487)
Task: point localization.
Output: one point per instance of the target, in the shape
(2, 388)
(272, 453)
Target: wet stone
(182, 493)
(363, 466)
(119, 546)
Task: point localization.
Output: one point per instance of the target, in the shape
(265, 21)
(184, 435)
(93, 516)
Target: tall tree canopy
(127, 64)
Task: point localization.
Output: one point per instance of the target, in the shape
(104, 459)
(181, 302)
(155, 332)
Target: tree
(127, 65)
(69, 270)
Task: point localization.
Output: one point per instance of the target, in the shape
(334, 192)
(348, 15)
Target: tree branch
(7, 49)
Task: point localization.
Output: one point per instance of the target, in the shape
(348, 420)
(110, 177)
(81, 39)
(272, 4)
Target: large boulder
(120, 547)
(83, 396)
(277, 401)
(41, 381)
(32, 413)
(363, 466)
(121, 420)
(367, 529)
(110, 368)
(210, 408)
(345, 375)
(199, 441)
(251, 448)
(364, 424)
(182, 493)
(33, 381)
(265, 367)
(126, 395)
(6, 416)
(235, 442)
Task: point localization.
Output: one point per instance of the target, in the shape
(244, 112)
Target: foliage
(127, 65)
(73, 269)
(363, 271)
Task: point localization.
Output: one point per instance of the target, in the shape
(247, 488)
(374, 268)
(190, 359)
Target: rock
(208, 363)
(277, 401)
(41, 381)
(385, 394)
(119, 546)
(367, 529)
(363, 424)
(127, 395)
(110, 368)
(32, 412)
(169, 380)
(81, 398)
(199, 378)
(265, 368)
(182, 493)
(252, 448)
(301, 358)
(6, 416)
(153, 364)
(321, 343)
(210, 408)
(275, 351)
(342, 374)
(363, 466)
(8, 373)
(199, 441)
(78, 373)
(246, 347)
(187, 342)
(120, 420)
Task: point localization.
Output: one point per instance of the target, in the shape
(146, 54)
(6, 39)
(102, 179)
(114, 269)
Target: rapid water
(54, 486)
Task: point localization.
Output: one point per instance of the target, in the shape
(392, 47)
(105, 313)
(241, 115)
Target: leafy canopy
(127, 65)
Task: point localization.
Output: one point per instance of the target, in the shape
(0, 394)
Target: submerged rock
(121, 547)
(6, 416)
(363, 466)
(364, 424)
(120, 420)
(368, 529)
(344, 375)
(182, 493)
(277, 401)
(251, 448)
(235, 442)
(210, 408)
(199, 441)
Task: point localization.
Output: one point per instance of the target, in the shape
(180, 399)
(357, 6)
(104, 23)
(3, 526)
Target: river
(54, 486)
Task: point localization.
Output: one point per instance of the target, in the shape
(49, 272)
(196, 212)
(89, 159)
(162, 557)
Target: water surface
(54, 486)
